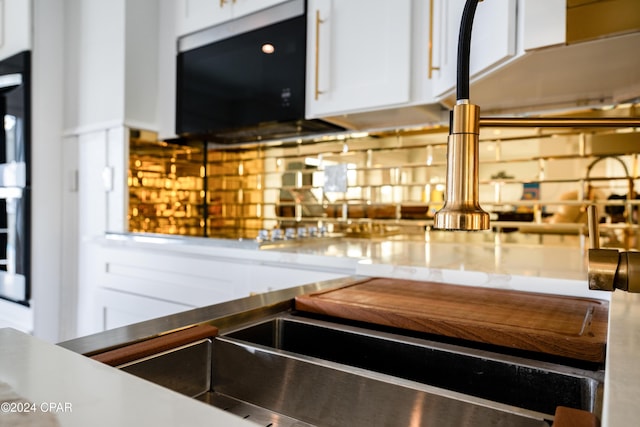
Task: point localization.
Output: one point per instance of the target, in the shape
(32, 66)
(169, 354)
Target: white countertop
(622, 371)
(48, 386)
(460, 258)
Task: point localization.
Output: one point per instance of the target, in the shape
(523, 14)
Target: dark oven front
(15, 180)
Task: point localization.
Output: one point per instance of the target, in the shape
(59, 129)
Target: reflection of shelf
(393, 180)
(139, 188)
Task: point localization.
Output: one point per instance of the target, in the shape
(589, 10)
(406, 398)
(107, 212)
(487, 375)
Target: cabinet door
(245, 7)
(358, 55)
(545, 23)
(15, 27)
(267, 278)
(122, 309)
(493, 39)
(194, 15)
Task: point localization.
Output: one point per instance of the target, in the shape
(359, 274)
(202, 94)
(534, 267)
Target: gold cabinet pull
(223, 2)
(319, 21)
(431, 67)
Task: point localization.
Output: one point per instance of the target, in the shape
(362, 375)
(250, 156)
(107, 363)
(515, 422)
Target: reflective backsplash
(534, 181)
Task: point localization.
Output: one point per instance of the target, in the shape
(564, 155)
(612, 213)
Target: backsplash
(383, 184)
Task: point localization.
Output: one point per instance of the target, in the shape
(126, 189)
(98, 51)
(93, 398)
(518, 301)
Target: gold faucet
(461, 210)
(610, 269)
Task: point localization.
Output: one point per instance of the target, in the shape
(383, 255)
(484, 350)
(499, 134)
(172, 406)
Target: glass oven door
(14, 180)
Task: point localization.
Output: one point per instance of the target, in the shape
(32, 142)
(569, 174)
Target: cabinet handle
(431, 67)
(319, 21)
(222, 3)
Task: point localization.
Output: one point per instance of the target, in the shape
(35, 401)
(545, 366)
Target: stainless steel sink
(280, 368)
(528, 384)
(291, 370)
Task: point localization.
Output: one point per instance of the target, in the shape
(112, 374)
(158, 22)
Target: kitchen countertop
(475, 259)
(48, 386)
(549, 269)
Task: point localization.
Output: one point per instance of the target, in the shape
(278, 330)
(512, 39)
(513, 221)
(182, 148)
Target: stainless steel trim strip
(225, 316)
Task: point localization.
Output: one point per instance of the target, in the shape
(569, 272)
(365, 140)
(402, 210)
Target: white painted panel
(245, 7)
(167, 51)
(117, 163)
(92, 197)
(16, 316)
(15, 27)
(363, 52)
(96, 62)
(188, 289)
(493, 39)
(545, 23)
(266, 278)
(70, 242)
(141, 63)
(48, 238)
(194, 15)
(121, 309)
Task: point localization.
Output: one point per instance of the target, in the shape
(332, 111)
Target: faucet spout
(462, 210)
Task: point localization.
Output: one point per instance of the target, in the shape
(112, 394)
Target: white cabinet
(358, 55)
(121, 308)
(267, 278)
(543, 22)
(493, 39)
(15, 27)
(195, 15)
(245, 7)
(132, 283)
(111, 60)
(503, 31)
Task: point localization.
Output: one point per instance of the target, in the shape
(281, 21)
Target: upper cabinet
(358, 55)
(15, 27)
(493, 39)
(111, 65)
(568, 54)
(195, 15)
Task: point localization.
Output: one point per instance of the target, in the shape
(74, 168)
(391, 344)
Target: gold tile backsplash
(373, 185)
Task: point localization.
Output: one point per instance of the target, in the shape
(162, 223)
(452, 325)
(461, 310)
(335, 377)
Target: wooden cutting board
(563, 326)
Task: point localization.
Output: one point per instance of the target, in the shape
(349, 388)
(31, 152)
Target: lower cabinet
(122, 308)
(134, 285)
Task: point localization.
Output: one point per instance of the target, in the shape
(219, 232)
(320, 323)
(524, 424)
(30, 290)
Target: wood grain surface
(570, 417)
(155, 345)
(563, 326)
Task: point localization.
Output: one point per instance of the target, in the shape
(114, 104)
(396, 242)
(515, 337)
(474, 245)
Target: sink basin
(293, 370)
(331, 365)
(532, 385)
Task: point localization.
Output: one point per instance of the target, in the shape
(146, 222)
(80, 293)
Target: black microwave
(244, 80)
